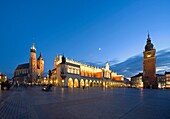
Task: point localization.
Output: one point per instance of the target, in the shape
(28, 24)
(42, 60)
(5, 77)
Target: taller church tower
(149, 65)
(33, 64)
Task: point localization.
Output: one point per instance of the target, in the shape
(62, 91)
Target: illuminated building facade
(136, 81)
(3, 77)
(164, 80)
(149, 65)
(167, 79)
(71, 74)
(30, 72)
(161, 81)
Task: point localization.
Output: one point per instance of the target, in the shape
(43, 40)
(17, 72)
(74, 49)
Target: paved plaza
(88, 103)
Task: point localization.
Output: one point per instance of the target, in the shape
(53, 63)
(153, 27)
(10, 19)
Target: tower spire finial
(148, 39)
(32, 41)
(32, 44)
(148, 34)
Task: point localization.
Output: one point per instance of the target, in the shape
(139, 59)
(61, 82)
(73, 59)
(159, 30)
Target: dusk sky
(84, 30)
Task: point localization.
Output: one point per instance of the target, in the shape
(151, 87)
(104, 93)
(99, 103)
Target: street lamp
(49, 74)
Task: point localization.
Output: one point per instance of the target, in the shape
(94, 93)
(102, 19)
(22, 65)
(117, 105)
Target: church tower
(40, 66)
(149, 65)
(33, 64)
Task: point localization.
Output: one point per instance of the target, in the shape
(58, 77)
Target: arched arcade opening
(76, 83)
(70, 83)
(81, 83)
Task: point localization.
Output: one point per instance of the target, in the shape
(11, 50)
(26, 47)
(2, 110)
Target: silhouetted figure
(2, 86)
(16, 84)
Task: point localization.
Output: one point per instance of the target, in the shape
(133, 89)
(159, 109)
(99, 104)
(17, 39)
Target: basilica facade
(74, 74)
(30, 72)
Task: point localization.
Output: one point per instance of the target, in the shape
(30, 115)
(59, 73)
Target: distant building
(161, 80)
(136, 81)
(71, 74)
(164, 80)
(126, 82)
(149, 65)
(30, 72)
(167, 79)
(3, 77)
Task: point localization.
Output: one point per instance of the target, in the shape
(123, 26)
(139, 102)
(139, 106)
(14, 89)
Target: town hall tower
(149, 65)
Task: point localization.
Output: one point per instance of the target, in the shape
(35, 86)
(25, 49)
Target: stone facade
(70, 73)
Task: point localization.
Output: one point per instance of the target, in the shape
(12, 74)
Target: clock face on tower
(149, 54)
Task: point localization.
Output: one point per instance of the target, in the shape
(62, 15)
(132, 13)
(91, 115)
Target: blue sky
(78, 28)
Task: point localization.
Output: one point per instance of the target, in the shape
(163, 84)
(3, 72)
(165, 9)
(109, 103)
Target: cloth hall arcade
(74, 74)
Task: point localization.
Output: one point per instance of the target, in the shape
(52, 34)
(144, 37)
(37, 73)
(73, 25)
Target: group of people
(16, 85)
(5, 84)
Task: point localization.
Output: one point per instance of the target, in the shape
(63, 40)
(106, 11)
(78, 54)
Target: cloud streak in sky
(133, 65)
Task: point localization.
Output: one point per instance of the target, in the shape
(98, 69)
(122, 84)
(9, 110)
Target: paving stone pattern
(88, 103)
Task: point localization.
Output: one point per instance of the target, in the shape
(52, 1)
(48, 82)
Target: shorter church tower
(149, 65)
(40, 67)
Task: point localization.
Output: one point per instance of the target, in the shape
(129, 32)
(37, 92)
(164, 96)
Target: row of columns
(90, 83)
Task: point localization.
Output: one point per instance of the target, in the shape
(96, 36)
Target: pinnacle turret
(40, 57)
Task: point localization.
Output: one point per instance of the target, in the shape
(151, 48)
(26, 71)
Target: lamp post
(49, 74)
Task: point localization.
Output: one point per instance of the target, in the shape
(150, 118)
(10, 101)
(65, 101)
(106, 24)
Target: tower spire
(40, 57)
(148, 34)
(148, 39)
(40, 54)
(33, 49)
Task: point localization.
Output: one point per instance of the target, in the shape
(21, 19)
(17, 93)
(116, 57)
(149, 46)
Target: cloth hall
(74, 74)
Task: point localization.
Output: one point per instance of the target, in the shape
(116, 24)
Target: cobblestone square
(88, 103)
